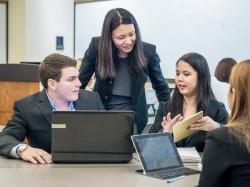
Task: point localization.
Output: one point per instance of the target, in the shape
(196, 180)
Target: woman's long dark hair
(107, 52)
(204, 90)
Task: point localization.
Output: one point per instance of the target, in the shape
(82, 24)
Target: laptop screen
(157, 151)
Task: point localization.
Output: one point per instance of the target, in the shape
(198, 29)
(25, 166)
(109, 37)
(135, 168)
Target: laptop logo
(58, 126)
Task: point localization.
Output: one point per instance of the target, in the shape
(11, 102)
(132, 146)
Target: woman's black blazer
(104, 86)
(216, 111)
(226, 160)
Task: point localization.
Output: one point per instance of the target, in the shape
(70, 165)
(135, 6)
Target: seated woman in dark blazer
(226, 160)
(192, 94)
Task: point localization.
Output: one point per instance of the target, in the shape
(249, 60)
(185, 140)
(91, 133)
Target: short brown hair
(223, 69)
(51, 67)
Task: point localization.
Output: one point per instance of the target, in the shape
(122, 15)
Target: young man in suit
(32, 114)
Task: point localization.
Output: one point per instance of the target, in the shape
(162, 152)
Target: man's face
(67, 88)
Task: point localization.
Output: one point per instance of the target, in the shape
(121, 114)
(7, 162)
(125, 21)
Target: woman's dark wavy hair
(107, 52)
(204, 90)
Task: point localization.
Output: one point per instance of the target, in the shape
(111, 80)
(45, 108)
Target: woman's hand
(205, 124)
(168, 122)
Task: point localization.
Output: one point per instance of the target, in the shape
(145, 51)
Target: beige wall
(16, 31)
(3, 33)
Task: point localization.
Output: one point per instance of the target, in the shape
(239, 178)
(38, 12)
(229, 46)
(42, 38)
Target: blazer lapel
(85, 102)
(80, 105)
(44, 106)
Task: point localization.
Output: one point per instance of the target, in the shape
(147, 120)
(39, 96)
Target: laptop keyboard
(175, 172)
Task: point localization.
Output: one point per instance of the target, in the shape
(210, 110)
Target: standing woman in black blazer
(226, 159)
(122, 62)
(192, 94)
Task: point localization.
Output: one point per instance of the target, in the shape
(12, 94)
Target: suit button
(105, 97)
(110, 82)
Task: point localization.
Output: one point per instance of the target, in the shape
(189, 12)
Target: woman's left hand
(168, 122)
(205, 124)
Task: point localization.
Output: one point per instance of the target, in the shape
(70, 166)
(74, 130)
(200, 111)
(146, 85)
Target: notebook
(182, 129)
(189, 154)
(92, 136)
(159, 156)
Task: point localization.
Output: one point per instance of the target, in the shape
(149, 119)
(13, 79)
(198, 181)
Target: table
(22, 174)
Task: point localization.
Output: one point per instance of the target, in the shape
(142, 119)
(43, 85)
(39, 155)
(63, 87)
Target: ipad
(182, 129)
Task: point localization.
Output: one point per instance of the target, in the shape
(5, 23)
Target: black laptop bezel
(143, 136)
(85, 157)
(97, 111)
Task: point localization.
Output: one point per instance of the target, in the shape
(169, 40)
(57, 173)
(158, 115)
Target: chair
(151, 100)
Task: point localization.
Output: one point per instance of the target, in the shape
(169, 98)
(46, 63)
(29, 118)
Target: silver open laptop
(92, 136)
(159, 156)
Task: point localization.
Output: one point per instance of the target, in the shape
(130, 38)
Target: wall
(3, 38)
(34, 25)
(16, 35)
(45, 20)
(214, 28)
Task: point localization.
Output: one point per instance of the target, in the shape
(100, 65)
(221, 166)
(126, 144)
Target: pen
(175, 179)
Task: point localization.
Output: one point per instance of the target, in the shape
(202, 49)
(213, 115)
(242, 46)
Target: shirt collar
(55, 106)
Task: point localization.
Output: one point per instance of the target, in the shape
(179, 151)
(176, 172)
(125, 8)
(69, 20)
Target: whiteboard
(3, 34)
(213, 28)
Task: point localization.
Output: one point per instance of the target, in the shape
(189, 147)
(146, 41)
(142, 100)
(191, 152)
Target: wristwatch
(21, 148)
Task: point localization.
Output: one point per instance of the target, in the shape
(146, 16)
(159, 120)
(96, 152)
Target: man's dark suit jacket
(226, 161)
(216, 111)
(104, 87)
(32, 119)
